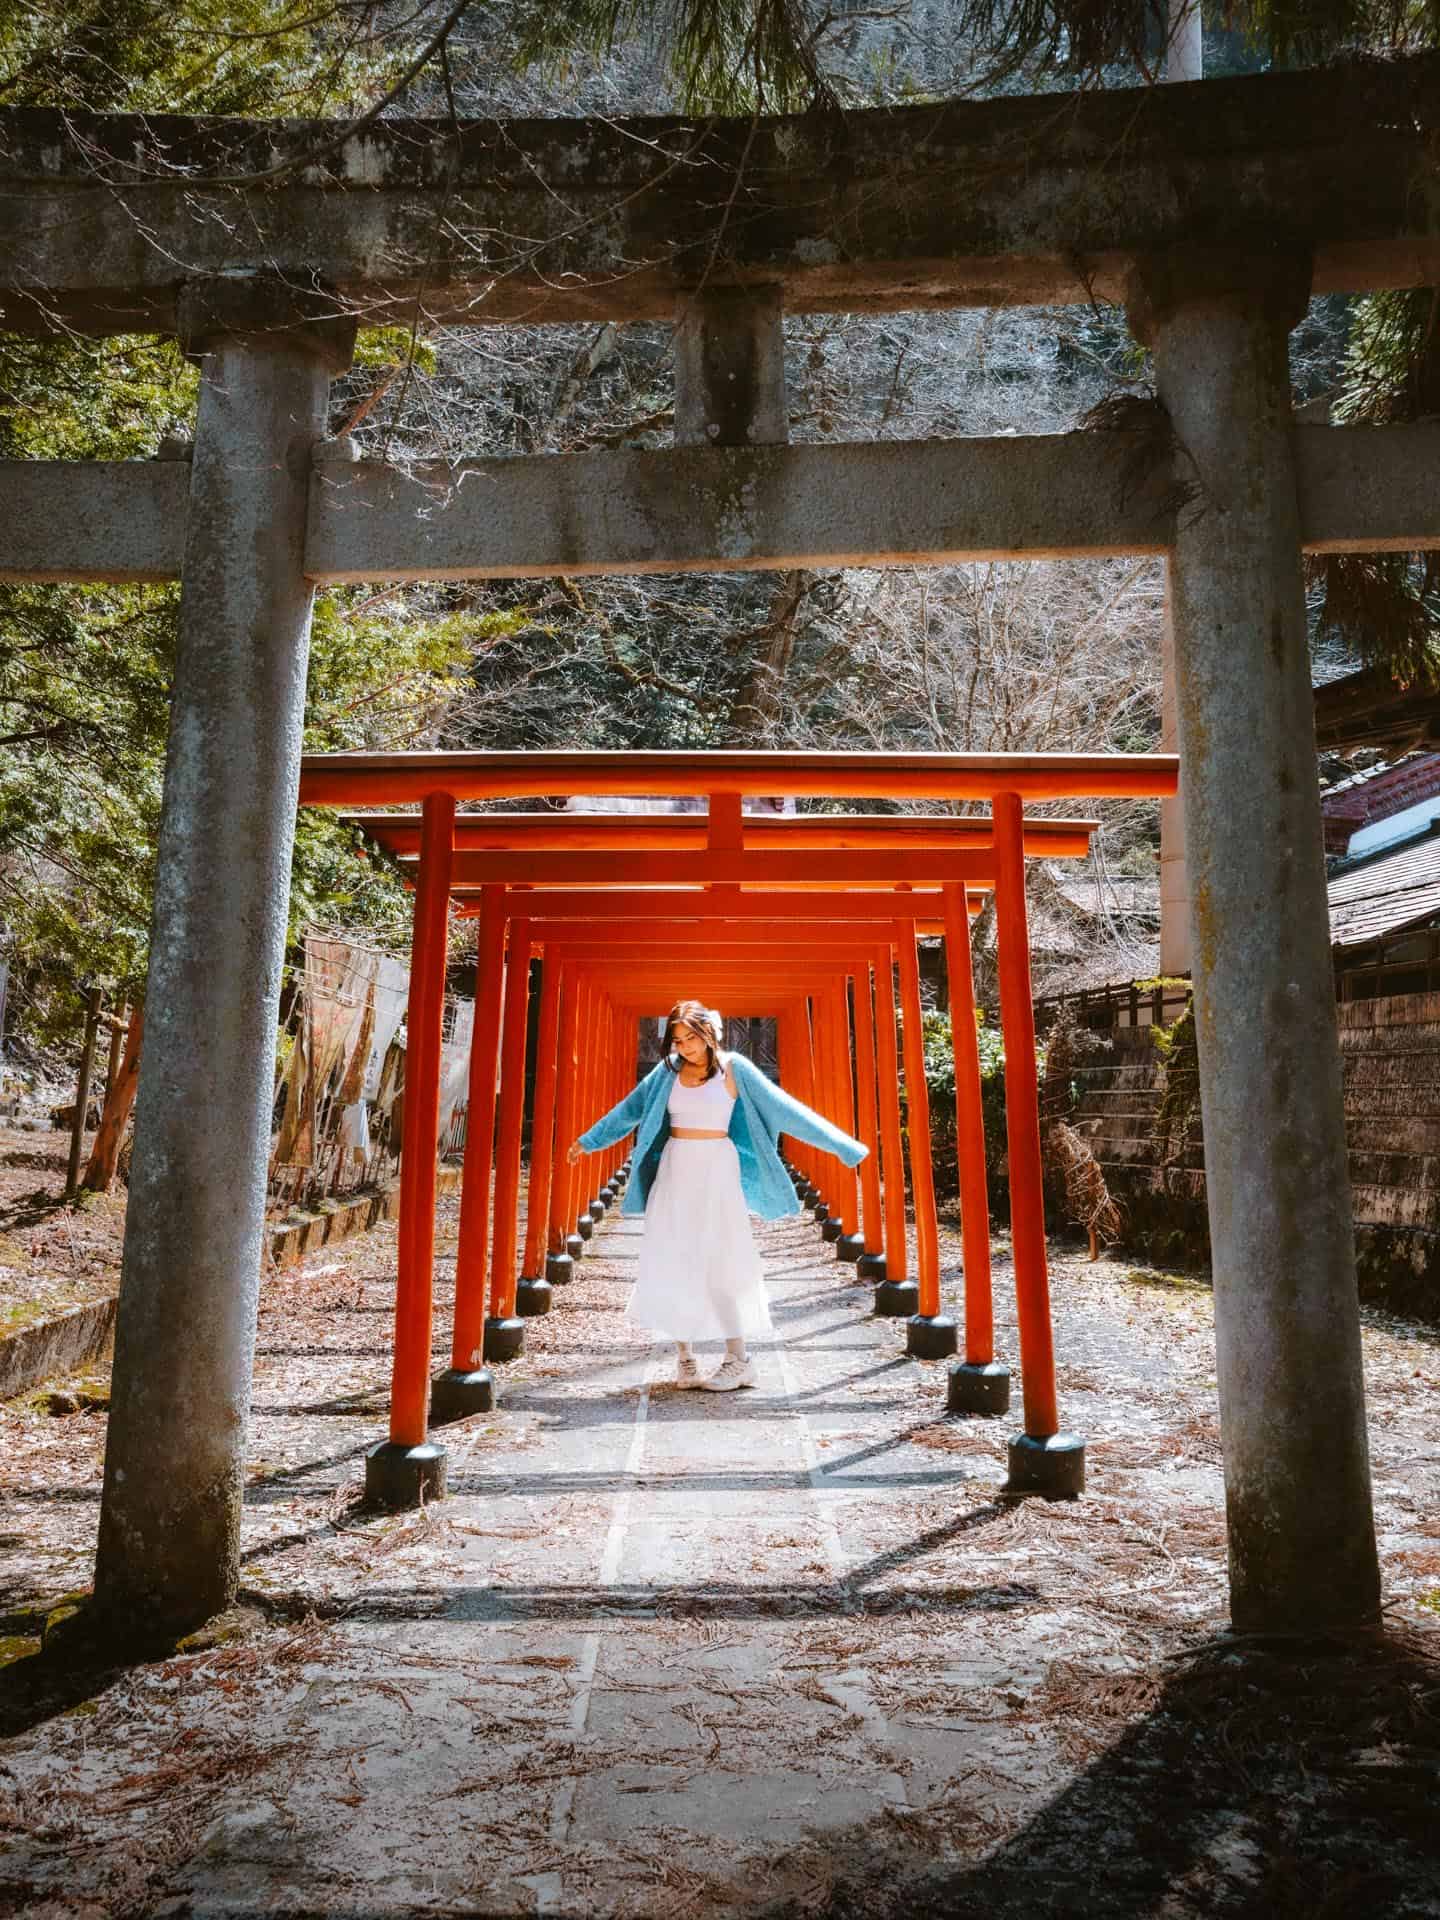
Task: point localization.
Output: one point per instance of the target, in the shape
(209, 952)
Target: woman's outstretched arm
(783, 1113)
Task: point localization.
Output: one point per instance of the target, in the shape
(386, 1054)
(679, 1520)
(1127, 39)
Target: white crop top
(707, 1107)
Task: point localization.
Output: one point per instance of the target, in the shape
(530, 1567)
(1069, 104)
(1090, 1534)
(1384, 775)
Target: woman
(706, 1126)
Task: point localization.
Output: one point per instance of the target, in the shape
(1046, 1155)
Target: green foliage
(85, 671)
(84, 710)
(726, 56)
(250, 58)
(1391, 336)
(1179, 1109)
(1387, 605)
(940, 1083)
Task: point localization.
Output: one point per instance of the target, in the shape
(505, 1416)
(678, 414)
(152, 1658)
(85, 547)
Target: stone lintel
(899, 503)
(1034, 200)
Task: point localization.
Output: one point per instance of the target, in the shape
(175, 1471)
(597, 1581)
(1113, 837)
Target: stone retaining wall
(1391, 1053)
(75, 1337)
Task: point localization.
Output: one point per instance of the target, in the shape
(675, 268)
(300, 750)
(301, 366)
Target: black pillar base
(832, 1229)
(820, 1211)
(1054, 1468)
(455, 1393)
(871, 1266)
(559, 1269)
(849, 1247)
(574, 1245)
(596, 1210)
(809, 1194)
(897, 1299)
(504, 1340)
(585, 1226)
(982, 1387)
(532, 1296)
(397, 1476)
(931, 1337)
(607, 1194)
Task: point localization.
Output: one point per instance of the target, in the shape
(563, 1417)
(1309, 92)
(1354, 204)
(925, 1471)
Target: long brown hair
(695, 1015)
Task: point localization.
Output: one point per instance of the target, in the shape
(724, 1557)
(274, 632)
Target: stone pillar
(1174, 881)
(1184, 61)
(170, 1513)
(730, 369)
(1292, 1404)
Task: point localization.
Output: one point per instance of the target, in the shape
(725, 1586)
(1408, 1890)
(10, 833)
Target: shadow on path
(1292, 1783)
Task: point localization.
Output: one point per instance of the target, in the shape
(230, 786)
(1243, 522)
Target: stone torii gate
(1211, 211)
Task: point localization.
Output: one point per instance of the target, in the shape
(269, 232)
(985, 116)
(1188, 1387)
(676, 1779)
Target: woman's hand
(573, 1152)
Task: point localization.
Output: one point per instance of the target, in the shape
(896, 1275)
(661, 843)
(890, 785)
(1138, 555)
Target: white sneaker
(687, 1370)
(730, 1374)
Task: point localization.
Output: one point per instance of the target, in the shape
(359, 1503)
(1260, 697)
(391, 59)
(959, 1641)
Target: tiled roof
(1396, 889)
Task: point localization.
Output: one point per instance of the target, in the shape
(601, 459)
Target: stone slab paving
(787, 1651)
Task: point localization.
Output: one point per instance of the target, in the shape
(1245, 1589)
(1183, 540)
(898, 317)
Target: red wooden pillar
(407, 1468)
(533, 1294)
(930, 1334)
(473, 1245)
(589, 1108)
(801, 1068)
(848, 1244)
(873, 1243)
(559, 1218)
(1042, 1459)
(979, 1384)
(896, 1294)
(822, 1068)
(608, 1160)
(504, 1330)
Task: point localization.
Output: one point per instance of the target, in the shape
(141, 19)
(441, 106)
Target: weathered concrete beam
(895, 503)
(1036, 200)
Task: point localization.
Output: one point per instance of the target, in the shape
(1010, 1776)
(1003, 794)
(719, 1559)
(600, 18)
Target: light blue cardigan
(760, 1115)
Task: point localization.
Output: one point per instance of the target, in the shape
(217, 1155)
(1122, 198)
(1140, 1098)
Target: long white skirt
(701, 1276)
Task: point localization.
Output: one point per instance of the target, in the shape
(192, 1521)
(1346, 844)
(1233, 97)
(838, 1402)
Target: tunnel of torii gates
(803, 918)
(1211, 212)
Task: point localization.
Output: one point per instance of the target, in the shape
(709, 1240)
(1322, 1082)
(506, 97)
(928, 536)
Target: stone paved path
(784, 1651)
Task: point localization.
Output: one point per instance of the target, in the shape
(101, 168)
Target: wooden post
(82, 1092)
(406, 1468)
(542, 1136)
(119, 1102)
(560, 1218)
(896, 1294)
(1042, 1459)
(929, 1335)
(868, 1117)
(473, 1242)
(979, 1384)
(118, 1024)
(504, 1331)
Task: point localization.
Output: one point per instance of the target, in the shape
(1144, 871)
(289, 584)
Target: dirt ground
(51, 1255)
(786, 1652)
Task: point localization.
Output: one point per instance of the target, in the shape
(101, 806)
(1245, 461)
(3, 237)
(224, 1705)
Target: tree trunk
(105, 1154)
(758, 702)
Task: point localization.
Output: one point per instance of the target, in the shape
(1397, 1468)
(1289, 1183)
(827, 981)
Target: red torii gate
(654, 876)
